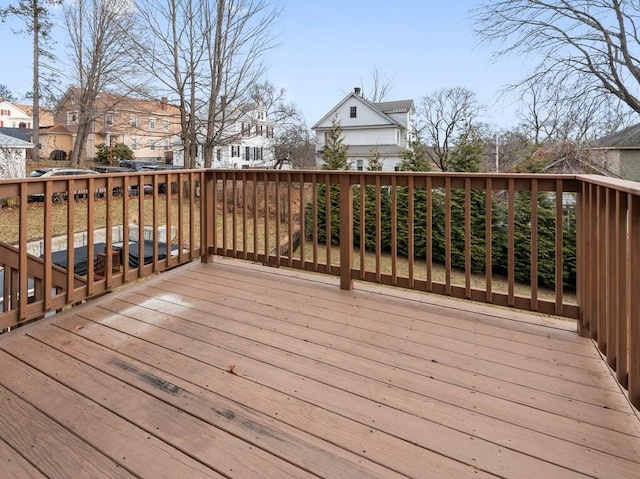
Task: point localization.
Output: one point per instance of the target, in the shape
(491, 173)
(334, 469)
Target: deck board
(236, 370)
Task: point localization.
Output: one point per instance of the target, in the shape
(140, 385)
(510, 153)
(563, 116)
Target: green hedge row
(499, 233)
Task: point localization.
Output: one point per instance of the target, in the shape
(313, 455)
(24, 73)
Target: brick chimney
(357, 91)
(163, 103)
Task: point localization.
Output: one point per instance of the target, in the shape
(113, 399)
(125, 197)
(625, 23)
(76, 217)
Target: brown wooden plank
(14, 465)
(209, 445)
(457, 351)
(350, 363)
(135, 449)
(384, 449)
(34, 436)
(434, 312)
(469, 449)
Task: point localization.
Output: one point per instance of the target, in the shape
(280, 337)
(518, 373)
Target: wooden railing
(56, 235)
(566, 245)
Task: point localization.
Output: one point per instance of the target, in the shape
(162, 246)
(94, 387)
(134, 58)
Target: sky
(325, 48)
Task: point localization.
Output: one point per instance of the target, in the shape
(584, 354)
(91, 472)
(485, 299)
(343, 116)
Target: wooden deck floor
(240, 371)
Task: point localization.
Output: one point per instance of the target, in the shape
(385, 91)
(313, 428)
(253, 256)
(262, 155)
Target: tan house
(149, 127)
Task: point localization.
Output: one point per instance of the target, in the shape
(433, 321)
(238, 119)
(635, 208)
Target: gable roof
(7, 141)
(626, 138)
(383, 109)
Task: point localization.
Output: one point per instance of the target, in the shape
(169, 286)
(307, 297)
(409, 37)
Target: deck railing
(555, 244)
(95, 227)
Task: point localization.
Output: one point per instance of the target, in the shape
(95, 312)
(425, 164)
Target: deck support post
(346, 231)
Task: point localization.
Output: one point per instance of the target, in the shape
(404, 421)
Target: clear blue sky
(327, 47)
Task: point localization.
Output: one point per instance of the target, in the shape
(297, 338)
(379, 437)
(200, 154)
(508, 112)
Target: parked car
(55, 172)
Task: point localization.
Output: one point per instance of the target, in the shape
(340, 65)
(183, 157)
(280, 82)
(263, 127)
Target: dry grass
(10, 217)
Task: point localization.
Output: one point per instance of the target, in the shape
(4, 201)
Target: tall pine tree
(334, 156)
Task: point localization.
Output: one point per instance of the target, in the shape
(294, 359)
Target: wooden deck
(241, 371)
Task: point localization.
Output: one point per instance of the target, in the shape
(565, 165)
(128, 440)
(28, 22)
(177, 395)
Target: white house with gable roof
(369, 129)
(11, 115)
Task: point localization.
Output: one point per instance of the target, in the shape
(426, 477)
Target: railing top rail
(400, 173)
(625, 186)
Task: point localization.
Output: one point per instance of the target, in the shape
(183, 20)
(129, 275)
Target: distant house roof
(23, 134)
(46, 116)
(384, 109)
(394, 106)
(7, 141)
(624, 139)
(110, 101)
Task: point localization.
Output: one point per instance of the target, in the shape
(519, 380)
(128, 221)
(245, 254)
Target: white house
(369, 129)
(11, 116)
(13, 156)
(249, 144)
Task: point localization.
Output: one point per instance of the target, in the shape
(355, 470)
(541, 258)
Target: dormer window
(353, 112)
(108, 119)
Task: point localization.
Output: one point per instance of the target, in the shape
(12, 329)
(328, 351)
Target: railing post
(208, 217)
(346, 231)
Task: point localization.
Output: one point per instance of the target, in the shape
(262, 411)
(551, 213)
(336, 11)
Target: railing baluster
(511, 243)
(534, 244)
(363, 222)
(467, 238)
(429, 242)
(394, 231)
(488, 239)
(447, 235)
(410, 231)
(559, 249)
(634, 299)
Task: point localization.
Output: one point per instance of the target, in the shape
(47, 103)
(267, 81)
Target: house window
(72, 117)
(5, 112)
(152, 145)
(359, 164)
(261, 115)
(235, 151)
(397, 137)
(108, 119)
(218, 155)
(247, 153)
(166, 145)
(152, 123)
(353, 112)
(165, 125)
(134, 121)
(134, 144)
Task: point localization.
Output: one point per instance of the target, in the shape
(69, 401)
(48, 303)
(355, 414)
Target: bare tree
(381, 86)
(100, 33)
(237, 35)
(172, 52)
(593, 42)
(563, 112)
(441, 117)
(37, 21)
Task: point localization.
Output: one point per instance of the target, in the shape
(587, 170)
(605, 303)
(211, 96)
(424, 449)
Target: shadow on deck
(235, 370)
